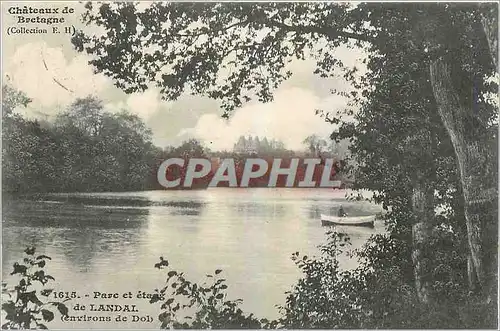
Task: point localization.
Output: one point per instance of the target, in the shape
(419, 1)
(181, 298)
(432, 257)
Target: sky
(33, 63)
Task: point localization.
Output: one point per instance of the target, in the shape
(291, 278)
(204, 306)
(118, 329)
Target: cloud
(143, 104)
(147, 103)
(290, 118)
(51, 80)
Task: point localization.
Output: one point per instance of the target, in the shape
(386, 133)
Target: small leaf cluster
(325, 296)
(188, 305)
(26, 304)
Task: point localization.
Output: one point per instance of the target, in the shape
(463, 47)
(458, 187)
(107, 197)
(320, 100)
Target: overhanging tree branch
(326, 31)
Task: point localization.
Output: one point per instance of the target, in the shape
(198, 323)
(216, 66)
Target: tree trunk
(477, 175)
(423, 209)
(471, 273)
(489, 20)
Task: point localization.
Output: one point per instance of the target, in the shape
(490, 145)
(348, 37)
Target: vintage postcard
(249, 165)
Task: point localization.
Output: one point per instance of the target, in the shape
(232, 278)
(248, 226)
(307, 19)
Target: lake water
(109, 242)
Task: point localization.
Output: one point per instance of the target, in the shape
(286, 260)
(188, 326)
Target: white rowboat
(354, 220)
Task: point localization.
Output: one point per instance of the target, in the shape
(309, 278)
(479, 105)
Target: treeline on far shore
(87, 149)
(83, 149)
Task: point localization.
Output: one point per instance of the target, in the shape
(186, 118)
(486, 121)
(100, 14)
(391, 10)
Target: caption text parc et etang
(126, 312)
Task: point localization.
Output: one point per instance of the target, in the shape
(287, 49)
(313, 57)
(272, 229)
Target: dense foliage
(84, 149)
(380, 292)
(399, 129)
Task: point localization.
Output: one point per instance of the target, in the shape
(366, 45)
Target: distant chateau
(253, 145)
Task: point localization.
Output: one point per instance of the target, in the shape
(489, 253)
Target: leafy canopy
(229, 51)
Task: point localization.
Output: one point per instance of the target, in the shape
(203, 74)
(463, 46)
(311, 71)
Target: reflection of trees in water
(314, 212)
(14, 241)
(81, 233)
(80, 246)
(178, 208)
(91, 199)
(259, 208)
(83, 247)
(181, 204)
(187, 212)
(36, 213)
(115, 201)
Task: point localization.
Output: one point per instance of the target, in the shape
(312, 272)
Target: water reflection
(71, 215)
(112, 240)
